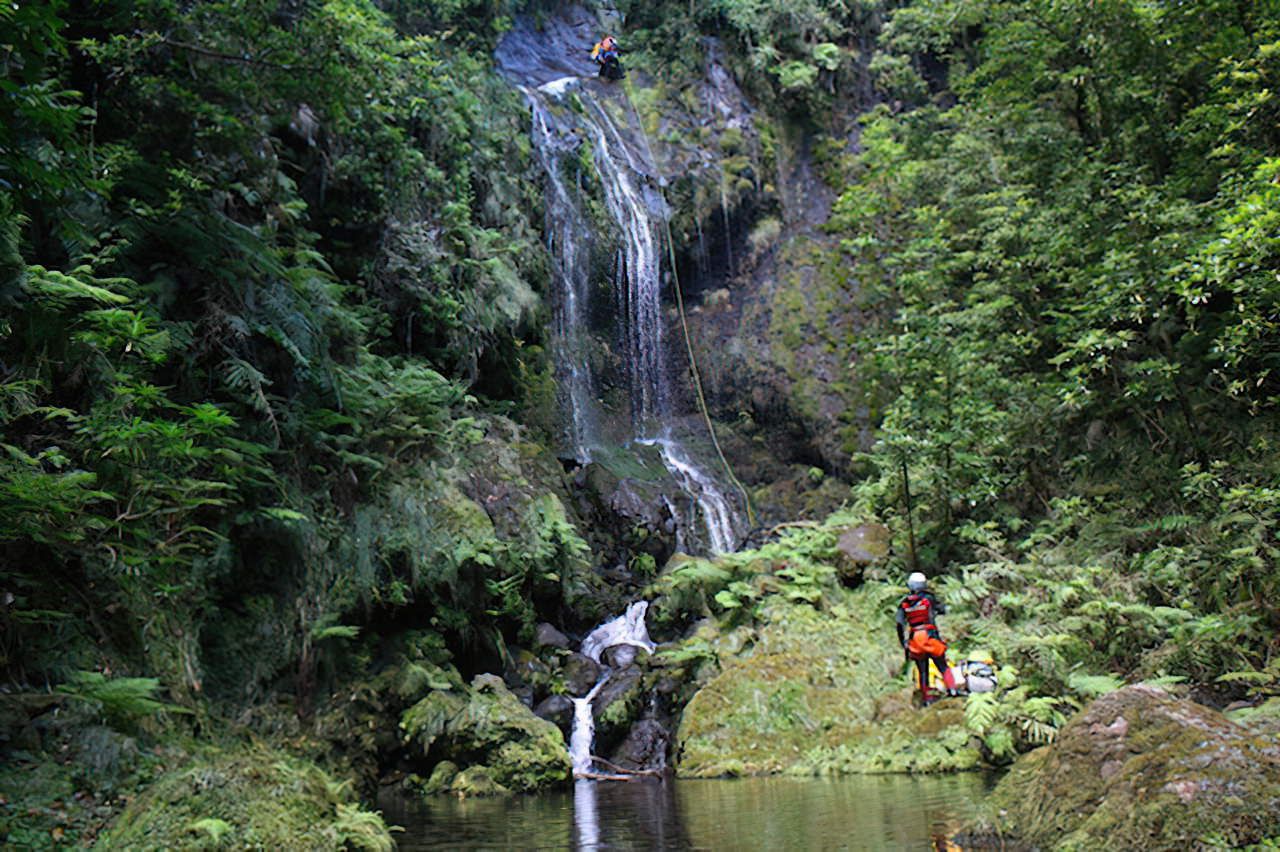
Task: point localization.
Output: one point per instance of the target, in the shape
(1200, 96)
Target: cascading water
(568, 244)
(584, 731)
(638, 267)
(566, 114)
(627, 631)
(635, 206)
(717, 512)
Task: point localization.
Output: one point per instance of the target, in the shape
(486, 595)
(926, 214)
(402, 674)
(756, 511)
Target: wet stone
(580, 674)
(555, 708)
(645, 746)
(546, 636)
(620, 656)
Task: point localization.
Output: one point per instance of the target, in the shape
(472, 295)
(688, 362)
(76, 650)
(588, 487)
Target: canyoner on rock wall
(573, 115)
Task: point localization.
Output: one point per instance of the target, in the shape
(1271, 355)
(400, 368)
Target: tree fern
(1091, 686)
(121, 700)
(980, 711)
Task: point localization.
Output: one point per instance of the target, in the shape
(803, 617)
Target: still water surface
(861, 812)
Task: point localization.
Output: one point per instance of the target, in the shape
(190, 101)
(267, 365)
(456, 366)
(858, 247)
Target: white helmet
(916, 582)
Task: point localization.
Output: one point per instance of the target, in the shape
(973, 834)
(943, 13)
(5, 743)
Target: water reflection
(584, 814)
(881, 812)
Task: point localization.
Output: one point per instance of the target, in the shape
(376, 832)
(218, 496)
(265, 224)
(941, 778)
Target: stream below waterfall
(858, 812)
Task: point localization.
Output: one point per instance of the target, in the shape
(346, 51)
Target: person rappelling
(917, 626)
(605, 54)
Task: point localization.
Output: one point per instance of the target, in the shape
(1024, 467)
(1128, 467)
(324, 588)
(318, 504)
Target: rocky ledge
(1141, 769)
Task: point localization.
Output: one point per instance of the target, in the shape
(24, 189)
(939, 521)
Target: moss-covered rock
(486, 726)
(442, 777)
(1139, 769)
(252, 798)
(933, 739)
(809, 696)
(477, 781)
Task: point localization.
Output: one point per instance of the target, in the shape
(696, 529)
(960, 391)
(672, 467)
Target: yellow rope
(684, 323)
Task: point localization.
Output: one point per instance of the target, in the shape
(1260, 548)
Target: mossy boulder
(486, 726)
(862, 545)
(929, 740)
(477, 781)
(808, 696)
(251, 798)
(813, 689)
(1140, 769)
(442, 777)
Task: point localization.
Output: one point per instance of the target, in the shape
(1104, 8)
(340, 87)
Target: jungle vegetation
(272, 274)
(1059, 220)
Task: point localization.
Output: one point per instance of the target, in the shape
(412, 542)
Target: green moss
(477, 781)
(806, 695)
(732, 142)
(1263, 717)
(442, 777)
(62, 775)
(916, 741)
(485, 725)
(251, 798)
(1140, 769)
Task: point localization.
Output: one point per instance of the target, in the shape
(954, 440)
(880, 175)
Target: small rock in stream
(555, 708)
(620, 656)
(546, 636)
(580, 674)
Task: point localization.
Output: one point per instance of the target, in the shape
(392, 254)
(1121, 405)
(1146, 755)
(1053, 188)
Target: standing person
(916, 623)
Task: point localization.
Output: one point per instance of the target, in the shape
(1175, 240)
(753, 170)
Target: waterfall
(567, 243)
(627, 630)
(636, 206)
(639, 279)
(717, 513)
(584, 730)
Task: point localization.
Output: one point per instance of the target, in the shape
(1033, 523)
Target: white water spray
(627, 630)
(635, 206)
(584, 731)
(568, 236)
(717, 514)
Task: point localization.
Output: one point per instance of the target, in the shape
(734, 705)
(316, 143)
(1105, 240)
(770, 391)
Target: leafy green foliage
(261, 271)
(1071, 263)
(122, 701)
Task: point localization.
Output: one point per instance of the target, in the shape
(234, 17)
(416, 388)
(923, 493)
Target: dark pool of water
(861, 812)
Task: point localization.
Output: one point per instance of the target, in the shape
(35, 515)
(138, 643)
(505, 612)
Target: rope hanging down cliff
(684, 323)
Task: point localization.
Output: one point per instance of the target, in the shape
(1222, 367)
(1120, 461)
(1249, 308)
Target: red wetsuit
(918, 634)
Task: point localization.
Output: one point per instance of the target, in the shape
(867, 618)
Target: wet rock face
(556, 709)
(547, 636)
(580, 674)
(645, 746)
(620, 656)
(1140, 769)
(617, 704)
(624, 500)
